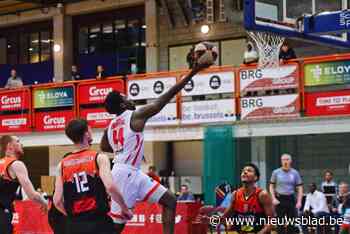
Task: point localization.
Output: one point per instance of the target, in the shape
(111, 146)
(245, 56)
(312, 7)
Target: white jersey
(127, 145)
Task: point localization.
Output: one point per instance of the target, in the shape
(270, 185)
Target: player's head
(11, 146)
(312, 187)
(286, 161)
(117, 103)
(328, 175)
(285, 47)
(79, 132)
(250, 173)
(343, 188)
(184, 189)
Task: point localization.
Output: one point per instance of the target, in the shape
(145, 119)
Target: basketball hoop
(268, 45)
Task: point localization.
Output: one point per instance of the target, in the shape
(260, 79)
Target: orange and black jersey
(83, 190)
(8, 186)
(249, 210)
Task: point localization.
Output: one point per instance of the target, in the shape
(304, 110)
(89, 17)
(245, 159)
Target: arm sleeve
(298, 179)
(273, 178)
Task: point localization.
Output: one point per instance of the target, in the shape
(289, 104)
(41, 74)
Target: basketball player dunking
(124, 138)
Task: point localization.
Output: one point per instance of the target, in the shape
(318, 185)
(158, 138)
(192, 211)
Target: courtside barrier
(90, 97)
(144, 88)
(54, 105)
(15, 109)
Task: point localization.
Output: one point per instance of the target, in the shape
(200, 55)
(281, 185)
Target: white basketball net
(268, 45)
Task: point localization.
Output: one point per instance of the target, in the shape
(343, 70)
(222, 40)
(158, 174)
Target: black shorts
(5, 221)
(97, 225)
(57, 221)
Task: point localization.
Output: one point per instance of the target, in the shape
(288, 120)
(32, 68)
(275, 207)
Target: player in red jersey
(124, 137)
(83, 184)
(13, 173)
(250, 204)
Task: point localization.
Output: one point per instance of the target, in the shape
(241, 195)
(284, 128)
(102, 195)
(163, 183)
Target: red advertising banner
(148, 218)
(52, 121)
(12, 100)
(327, 103)
(96, 92)
(15, 122)
(96, 117)
(269, 107)
(28, 218)
(283, 77)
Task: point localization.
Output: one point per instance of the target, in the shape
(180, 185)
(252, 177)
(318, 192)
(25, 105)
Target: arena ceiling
(18, 6)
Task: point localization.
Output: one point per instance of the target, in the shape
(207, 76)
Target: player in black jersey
(13, 173)
(83, 185)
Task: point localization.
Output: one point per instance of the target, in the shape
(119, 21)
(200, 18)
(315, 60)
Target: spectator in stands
(345, 214)
(286, 53)
(185, 194)
(250, 55)
(153, 174)
(329, 186)
(75, 74)
(316, 202)
(14, 81)
(100, 73)
(338, 200)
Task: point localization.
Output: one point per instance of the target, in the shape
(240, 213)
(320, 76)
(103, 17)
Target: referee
(283, 184)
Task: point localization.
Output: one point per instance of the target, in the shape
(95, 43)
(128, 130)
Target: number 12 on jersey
(81, 182)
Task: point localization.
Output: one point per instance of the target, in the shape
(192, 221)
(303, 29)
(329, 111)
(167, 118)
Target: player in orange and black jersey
(13, 173)
(83, 185)
(250, 203)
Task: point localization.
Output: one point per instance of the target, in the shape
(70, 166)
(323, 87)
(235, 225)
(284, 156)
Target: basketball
(205, 53)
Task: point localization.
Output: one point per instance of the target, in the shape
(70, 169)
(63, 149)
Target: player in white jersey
(124, 138)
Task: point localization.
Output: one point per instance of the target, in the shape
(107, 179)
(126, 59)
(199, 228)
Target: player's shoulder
(263, 195)
(277, 170)
(17, 163)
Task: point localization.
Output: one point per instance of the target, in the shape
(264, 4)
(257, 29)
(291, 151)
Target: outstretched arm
(141, 115)
(229, 210)
(266, 202)
(111, 187)
(19, 169)
(58, 196)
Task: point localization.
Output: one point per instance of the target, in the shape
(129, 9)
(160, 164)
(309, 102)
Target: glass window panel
(108, 42)
(328, 5)
(3, 49)
(143, 33)
(126, 57)
(83, 40)
(133, 32)
(121, 33)
(94, 38)
(45, 46)
(24, 48)
(231, 52)
(141, 59)
(34, 48)
(12, 49)
(296, 10)
(269, 9)
(178, 55)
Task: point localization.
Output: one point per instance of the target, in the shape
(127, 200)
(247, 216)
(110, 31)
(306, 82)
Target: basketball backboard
(282, 17)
